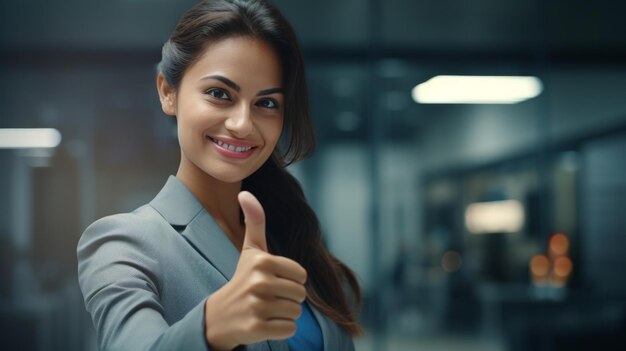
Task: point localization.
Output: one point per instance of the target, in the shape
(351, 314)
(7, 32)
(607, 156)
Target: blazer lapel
(208, 238)
(327, 333)
(177, 204)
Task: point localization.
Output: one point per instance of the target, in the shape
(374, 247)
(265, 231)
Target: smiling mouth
(232, 148)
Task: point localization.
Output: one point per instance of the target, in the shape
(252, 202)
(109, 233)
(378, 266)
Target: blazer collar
(176, 203)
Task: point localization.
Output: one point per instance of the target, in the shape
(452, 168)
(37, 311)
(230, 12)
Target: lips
(233, 148)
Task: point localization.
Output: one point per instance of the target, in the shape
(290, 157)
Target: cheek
(190, 133)
(195, 118)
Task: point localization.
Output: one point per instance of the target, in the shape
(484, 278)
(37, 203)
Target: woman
(205, 265)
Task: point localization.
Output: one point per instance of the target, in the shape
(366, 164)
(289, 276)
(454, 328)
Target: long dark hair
(292, 227)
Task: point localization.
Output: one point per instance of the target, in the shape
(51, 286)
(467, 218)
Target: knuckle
(262, 261)
(261, 286)
(297, 311)
(253, 325)
(301, 293)
(255, 306)
(290, 329)
(305, 275)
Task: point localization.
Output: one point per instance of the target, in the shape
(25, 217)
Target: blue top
(308, 336)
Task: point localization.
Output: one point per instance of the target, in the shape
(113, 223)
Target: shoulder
(118, 247)
(135, 223)
(121, 233)
(140, 216)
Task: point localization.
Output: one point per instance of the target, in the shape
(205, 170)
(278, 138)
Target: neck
(219, 198)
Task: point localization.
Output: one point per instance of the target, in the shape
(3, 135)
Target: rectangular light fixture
(477, 90)
(29, 138)
(494, 217)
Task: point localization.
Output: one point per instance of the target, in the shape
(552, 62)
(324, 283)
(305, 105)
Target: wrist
(213, 334)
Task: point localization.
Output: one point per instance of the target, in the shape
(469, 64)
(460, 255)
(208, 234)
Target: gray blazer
(145, 276)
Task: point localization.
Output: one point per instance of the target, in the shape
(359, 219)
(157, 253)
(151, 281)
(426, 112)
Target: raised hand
(262, 300)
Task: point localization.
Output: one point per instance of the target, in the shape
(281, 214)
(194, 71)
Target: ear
(167, 95)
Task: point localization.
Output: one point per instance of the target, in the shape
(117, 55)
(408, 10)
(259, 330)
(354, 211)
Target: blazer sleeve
(118, 274)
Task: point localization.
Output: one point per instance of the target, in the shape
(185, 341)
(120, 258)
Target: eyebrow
(236, 87)
(270, 91)
(224, 80)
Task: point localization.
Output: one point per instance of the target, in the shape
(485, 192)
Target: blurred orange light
(539, 266)
(558, 244)
(563, 266)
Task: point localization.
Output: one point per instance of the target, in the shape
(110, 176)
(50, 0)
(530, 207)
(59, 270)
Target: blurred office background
(470, 226)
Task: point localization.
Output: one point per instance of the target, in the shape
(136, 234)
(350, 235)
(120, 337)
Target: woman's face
(229, 109)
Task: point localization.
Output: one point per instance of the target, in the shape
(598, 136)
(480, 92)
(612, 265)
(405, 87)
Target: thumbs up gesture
(262, 300)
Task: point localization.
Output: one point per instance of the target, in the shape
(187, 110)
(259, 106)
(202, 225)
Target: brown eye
(268, 103)
(218, 93)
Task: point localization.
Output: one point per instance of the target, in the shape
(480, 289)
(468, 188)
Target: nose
(239, 122)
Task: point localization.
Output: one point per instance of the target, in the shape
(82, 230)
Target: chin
(229, 176)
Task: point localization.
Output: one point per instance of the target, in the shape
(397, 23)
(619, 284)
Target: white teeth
(232, 147)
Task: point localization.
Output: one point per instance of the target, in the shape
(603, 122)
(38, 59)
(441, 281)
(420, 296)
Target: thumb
(255, 222)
